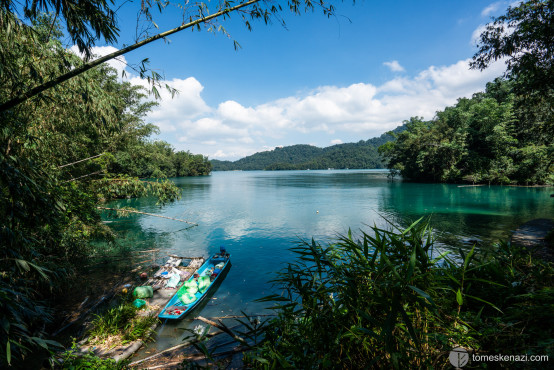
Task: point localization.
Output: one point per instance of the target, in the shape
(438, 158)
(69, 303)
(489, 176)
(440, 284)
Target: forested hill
(362, 154)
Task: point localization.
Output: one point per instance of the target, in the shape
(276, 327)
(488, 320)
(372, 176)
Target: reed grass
(392, 299)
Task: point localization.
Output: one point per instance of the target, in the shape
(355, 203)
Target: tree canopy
(481, 139)
(524, 37)
(504, 135)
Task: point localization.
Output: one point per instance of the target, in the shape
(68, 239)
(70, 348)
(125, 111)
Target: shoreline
(531, 236)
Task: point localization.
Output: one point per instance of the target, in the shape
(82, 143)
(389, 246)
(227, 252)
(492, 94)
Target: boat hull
(186, 298)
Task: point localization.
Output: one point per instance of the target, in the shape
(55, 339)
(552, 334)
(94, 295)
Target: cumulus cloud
(231, 130)
(358, 111)
(120, 63)
(394, 66)
(185, 106)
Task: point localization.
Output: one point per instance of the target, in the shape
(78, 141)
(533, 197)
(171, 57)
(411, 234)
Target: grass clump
(72, 359)
(120, 325)
(392, 299)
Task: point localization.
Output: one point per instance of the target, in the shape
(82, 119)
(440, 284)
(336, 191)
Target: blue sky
(318, 81)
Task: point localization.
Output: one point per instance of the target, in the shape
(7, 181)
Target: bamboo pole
(147, 214)
(80, 177)
(85, 67)
(82, 160)
(201, 356)
(233, 317)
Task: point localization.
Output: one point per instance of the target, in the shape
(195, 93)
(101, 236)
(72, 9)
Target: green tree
(525, 36)
(48, 196)
(482, 139)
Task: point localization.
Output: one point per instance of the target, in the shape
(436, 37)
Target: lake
(259, 215)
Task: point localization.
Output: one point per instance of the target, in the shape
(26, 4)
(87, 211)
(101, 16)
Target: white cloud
(492, 8)
(231, 130)
(394, 66)
(120, 63)
(358, 111)
(476, 35)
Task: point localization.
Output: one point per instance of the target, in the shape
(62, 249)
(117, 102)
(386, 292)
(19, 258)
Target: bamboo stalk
(80, 177)
(147, 214)
(231, 317)
(82, 160)
(164, 365)
(220, 354)
(85, 67)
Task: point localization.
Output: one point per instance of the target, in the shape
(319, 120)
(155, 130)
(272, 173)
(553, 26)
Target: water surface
(258, 215)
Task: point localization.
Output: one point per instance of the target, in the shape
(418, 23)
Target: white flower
(257, 321)
(199, 330)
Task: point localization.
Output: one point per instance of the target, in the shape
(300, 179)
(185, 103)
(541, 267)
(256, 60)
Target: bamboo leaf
(468, 258)
(459, 297)
(411, 226)
(23, 265)
(423, 294)
(9, 352)
(487, 302)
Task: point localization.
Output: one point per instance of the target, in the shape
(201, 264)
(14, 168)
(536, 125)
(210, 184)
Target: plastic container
(138, 303)
(143, 292)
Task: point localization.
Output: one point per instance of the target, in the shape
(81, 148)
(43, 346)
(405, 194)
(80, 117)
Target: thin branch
(87, 175)
(85, 67)
(148, 214)
(82, 160)
(222, 326)
(184, 344)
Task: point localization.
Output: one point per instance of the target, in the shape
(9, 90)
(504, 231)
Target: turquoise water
(258, 215)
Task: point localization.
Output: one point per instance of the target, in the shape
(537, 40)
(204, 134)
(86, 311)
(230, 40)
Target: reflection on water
(259, 215)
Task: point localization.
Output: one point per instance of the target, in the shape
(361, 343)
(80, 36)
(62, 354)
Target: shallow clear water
(258, 215)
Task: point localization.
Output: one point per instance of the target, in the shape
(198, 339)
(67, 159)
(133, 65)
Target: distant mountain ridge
(360, 155)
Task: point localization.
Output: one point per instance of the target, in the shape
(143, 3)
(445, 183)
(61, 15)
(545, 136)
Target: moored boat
(195, 289)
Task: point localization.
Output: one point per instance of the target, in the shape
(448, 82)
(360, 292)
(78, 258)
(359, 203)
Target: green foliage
(129, 187)
(84, 23)
(482, 139)
(158, 159)
(362, 154)
(56, 163)
(502, 136)
(394, 300)
(524, 36)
